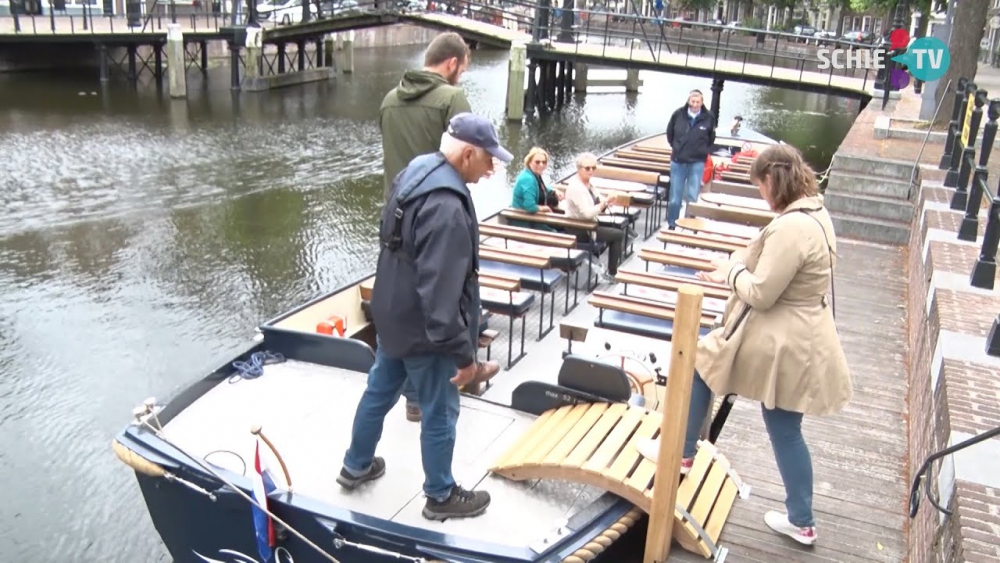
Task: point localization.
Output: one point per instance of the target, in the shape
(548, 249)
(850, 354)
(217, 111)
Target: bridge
(556, 54)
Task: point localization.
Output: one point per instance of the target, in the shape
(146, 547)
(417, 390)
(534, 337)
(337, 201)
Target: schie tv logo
(927, 59)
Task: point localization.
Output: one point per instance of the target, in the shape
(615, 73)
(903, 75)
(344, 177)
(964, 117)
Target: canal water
(142, 239)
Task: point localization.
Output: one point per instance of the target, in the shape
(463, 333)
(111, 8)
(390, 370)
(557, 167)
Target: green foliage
(879, 6)
(695, 4)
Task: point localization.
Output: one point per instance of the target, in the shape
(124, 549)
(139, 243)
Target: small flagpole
(257, 431)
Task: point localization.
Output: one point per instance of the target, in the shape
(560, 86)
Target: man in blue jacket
(425, 306)
(691, 134)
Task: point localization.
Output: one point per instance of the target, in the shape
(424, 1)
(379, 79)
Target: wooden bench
(729, 214)
(571, 226)
(560, 248)
(754, 203)
(671, 283)
(643, 317)
(681, 264)
(652, 149)
(498, 261)
(648, 178)
(737, 177)
(732, 188)
(718, 228)
(515, 305)
(635, 164)
(644, 156)
(708, 242)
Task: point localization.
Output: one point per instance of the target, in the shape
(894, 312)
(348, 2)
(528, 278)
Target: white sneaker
(778, 521)
(650, 449)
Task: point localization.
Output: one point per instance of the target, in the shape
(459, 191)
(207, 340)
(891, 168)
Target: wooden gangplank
(596, 444)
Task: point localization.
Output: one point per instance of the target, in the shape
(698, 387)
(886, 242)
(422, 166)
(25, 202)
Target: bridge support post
(529, 97)
(348, 53)
(176, 77)
(515, 81)
(580, 78)
(632, 80)
(717, 84)
(328, 51)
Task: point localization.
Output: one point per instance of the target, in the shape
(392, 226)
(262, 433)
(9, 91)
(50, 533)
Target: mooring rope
(602, 541)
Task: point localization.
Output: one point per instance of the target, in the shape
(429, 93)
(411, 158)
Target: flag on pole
(263, 484)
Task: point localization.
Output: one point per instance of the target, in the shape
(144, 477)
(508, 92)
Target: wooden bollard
(684, 346)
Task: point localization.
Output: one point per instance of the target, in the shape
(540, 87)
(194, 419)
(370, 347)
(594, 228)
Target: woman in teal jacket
(530, 193)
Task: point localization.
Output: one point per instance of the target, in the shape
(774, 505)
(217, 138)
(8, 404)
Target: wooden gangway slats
(597, 444)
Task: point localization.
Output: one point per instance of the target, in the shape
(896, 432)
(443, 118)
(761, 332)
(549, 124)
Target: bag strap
(829, 248)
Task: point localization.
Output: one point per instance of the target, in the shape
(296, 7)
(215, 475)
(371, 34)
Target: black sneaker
(461, 504)
(375, 470)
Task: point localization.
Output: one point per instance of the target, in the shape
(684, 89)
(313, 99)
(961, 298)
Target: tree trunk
(967, 28)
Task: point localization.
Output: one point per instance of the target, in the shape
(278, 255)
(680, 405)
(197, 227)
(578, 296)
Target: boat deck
(858, 455)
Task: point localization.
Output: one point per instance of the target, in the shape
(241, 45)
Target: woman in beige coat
(779, 343)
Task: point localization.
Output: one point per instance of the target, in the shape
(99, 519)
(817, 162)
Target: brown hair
(535, 151)
(446, 46)
(788, 175)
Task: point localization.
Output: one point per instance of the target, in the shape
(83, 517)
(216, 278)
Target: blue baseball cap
(478, 132)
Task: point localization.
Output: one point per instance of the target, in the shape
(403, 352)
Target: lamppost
(902, 7)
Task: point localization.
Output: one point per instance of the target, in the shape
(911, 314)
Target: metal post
(173, 12)
(956, 112)
(985, 270)
(14, 12)
(951, 179)
(959, 198)
(902, 6)
(970, 224)
(993, 340)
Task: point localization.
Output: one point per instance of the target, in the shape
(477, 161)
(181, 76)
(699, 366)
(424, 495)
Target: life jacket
(709, 173)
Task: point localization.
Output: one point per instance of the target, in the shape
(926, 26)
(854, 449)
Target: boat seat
(530, 277)
(594, 377)
(639, 325)
(677, 271)
(506, 303)
(557, 256)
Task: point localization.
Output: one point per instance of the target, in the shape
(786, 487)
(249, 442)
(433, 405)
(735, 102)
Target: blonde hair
(788, 175)
(535, 151)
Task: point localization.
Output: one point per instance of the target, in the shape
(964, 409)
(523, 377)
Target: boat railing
(923, 475)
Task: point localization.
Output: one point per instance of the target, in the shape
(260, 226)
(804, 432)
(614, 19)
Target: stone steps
(870, 198)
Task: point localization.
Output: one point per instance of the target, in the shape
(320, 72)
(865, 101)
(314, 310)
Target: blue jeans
(790, 451)
(685, 182)
(439, 403)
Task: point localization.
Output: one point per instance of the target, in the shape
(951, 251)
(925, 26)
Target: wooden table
(717, 228)
(756, 204)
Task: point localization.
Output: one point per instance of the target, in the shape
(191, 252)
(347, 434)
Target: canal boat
(273, 423)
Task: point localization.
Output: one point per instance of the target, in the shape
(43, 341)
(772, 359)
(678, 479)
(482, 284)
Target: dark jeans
(790, 450)
(615, 238)
(439, 404)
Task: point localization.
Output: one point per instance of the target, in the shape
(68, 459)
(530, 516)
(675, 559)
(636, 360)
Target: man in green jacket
(413, 118)
(415, 114)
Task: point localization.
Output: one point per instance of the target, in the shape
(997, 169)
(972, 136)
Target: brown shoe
(485, 371)
(413, 413)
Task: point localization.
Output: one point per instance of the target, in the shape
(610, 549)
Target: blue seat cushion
(529, 276)
(557, 256)
(506, 303)
(640, 325)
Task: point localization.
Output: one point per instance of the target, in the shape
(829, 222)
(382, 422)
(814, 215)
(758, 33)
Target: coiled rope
(596, 546)
(255, 367)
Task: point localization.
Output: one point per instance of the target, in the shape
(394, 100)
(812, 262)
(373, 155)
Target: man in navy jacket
(691, 134)
(425, 306)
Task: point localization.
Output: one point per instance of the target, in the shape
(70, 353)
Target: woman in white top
(583, 202)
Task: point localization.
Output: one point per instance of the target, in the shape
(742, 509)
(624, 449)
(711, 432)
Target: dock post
(105, 72)
(529, 96)
(255, 50)
(684, 346)
(580, 78)
(515, 81)
(348, 53)
(176, 77)
(328, 53)
(632, 80)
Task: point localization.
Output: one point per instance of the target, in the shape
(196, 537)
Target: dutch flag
(263, 484)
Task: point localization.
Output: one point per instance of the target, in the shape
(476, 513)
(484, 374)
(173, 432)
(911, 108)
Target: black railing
(960, 159)
(923, 476)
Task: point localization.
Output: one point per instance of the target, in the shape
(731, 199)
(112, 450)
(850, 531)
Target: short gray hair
(585, 157)
(452, 147)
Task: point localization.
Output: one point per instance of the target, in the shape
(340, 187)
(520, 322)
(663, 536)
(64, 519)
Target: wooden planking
(756, 204)
(523, 234)
(589, 419)
(675, 259)
(730, 214)
(555, 434)
(511, 257)
(582, 452)
(554, 219)
(503, 283)
(700, 225)
(671, 283)
(615, 442)
(707, 242)
(629, 458)
(640, 306)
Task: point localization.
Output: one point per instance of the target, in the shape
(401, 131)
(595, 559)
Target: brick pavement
(954, 387)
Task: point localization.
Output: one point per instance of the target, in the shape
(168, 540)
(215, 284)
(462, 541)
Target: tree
(967, 30)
